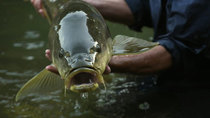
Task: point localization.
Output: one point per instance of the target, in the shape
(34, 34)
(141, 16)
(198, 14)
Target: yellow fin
(43, 83)
(131, 45)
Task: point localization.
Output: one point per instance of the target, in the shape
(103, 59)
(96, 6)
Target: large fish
(81, 47)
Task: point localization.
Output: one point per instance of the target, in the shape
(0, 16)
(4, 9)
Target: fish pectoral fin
(43, 83)
(131, 45)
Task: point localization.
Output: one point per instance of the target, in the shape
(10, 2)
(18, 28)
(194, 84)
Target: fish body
(81, 47)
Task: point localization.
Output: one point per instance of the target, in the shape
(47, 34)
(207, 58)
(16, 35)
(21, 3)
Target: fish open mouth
(83, 80)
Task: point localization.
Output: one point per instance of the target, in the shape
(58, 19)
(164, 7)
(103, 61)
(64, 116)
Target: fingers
(107, 70)
(50, 68)
(53, 69)
(48, 54)
(38, 6)
(41, 11)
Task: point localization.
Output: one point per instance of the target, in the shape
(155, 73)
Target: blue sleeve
(188, 31)
(141, 12)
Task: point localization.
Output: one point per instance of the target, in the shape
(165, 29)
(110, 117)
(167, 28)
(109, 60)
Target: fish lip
(91, 82)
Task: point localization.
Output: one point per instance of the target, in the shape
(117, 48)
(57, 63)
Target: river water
(23, 39)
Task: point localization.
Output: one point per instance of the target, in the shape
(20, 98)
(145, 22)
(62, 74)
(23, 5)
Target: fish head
(81, 48)
(84, 74)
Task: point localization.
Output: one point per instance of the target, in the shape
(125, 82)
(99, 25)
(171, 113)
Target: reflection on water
(31, 35)
(23, 39)
(30, 45)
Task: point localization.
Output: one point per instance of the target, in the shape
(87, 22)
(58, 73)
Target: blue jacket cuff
(173, 49)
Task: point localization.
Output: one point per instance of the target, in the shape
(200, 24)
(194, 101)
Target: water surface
(23, 39)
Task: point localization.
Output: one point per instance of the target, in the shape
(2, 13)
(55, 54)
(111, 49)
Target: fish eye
(61, 53)
(96, 48)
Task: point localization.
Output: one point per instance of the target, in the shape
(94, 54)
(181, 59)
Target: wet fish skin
(80, 40)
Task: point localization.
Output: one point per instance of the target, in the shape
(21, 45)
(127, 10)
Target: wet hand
(107, 70)
(38, 6)
(50, 68)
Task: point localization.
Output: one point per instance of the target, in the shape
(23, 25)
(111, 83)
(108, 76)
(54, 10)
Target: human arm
(149, 62)
(114, 10)
(182, 28)
(188, 34)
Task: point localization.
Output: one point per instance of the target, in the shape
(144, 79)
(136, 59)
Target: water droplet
(84, 95)
(61, 7)
(144, 106)
(77, 105)
(90, 80)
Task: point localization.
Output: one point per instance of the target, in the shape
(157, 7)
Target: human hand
(53, 69)
(107, 70)
(50, 68)
(38, 6)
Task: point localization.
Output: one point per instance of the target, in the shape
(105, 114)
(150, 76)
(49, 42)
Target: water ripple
(19, 74)
(31, 45)
(8, 81)
(29, 58)
(31, 35)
